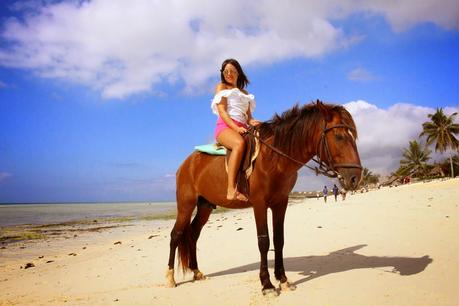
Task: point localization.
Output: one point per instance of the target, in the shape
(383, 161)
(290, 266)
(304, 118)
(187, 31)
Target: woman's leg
(233, 141)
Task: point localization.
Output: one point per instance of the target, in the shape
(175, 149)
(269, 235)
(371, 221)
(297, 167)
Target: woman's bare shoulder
(220, 87)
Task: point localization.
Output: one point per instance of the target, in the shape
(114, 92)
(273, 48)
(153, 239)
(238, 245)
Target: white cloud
(125, 47)
(384, 133)
(404, 14)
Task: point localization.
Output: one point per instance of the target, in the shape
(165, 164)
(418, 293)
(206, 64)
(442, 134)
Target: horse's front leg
(278, 213)
(263, 247)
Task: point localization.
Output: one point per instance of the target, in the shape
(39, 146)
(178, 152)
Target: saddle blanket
(212, 149)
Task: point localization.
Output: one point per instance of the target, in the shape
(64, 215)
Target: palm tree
(441, 129)
(368, 177)
(414, 160)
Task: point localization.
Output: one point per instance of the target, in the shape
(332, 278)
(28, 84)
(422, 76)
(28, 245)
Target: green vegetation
(441, 130)
(414, 162)
(164, 216)
(368, 178)
(18, 234)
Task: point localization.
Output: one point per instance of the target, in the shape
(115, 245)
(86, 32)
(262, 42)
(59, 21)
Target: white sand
(394, 246)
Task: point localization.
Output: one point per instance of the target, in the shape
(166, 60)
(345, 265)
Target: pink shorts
(221, 125)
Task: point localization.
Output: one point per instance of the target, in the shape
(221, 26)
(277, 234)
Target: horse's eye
(339, 137)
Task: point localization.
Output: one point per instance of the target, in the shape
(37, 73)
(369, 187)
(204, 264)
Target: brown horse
(325, 131)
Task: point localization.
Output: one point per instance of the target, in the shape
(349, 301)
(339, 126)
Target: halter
(326, 168)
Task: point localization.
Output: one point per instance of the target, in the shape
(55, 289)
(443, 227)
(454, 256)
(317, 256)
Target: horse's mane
(295, 126)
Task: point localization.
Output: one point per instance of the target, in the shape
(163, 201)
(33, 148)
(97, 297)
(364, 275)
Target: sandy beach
(393, 246)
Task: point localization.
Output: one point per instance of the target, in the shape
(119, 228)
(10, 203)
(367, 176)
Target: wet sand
(393, 246)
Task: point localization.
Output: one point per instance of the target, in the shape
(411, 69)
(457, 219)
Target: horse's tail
(185, 248)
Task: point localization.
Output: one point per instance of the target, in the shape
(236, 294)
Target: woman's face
(230, 74)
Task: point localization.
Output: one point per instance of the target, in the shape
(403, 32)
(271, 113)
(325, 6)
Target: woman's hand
(241, 130)
(254, 122)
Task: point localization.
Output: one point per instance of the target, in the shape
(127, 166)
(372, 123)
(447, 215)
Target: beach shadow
(339, 261)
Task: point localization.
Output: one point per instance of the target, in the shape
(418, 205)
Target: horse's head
(337, 149)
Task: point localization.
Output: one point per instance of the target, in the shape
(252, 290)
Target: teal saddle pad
(212, 149)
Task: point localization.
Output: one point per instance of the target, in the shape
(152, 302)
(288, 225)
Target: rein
(327, 169)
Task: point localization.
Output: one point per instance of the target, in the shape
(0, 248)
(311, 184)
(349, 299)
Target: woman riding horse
(288, 142)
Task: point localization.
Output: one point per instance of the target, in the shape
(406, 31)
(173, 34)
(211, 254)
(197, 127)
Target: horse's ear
(325, 110)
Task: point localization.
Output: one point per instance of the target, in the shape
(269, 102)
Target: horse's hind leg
(175, 237)
(202, 215)
(184, 211)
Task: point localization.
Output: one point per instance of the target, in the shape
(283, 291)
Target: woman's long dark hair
(242, 80)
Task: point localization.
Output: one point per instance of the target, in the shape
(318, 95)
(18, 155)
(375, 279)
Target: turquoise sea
(51, 213)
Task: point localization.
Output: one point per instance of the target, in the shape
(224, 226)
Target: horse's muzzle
(350, 177)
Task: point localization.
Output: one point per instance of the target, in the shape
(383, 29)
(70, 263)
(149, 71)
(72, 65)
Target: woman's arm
(251, 120)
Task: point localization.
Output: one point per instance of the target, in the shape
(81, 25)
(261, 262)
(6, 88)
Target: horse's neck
(282, 165)
(303, 144)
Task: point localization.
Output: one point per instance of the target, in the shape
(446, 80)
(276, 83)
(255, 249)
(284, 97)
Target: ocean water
(18, 214)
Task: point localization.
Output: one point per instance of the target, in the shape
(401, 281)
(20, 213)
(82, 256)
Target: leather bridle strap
(329, 168)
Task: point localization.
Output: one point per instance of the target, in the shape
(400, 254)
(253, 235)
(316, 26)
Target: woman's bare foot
(236, 195)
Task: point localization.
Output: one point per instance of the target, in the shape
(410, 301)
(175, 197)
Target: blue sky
(102, 100)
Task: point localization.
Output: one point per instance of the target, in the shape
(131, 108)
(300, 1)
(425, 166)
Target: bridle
(327, 168)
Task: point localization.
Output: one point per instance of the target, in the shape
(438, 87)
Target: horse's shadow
(342, 260)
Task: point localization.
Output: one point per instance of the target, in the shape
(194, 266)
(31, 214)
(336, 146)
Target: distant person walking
(335, 192)
(325, 192)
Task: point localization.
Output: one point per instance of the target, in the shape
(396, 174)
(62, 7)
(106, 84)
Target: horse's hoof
(198, 275)
(170, 281)
(270, 293)
(287, 286)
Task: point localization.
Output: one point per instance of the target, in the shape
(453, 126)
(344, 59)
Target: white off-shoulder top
(238, 103)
